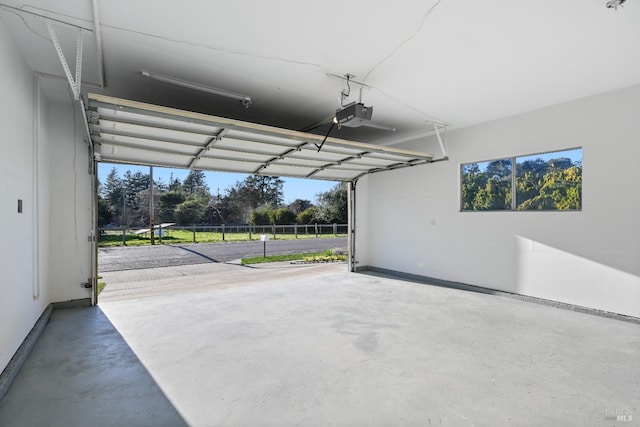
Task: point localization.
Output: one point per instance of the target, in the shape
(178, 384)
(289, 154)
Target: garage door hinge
(88, 284)
(92, 238)
(94, 117)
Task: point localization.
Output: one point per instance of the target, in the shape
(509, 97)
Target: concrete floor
(81, 372)
(118, 258)
(328, 348)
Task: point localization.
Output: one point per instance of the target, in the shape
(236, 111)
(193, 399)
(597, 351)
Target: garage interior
(448, 83)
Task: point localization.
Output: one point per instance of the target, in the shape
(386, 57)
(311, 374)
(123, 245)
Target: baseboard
(15, 364)
(472, 288)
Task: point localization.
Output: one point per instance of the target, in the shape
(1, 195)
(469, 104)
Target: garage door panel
(129, 131)
(237, 155)
(372, 162)
(266, 139)
(127, 154)
(218, 164)
(144, 118)
(251, 146)
(334, 175)
(147, 132)
(313, 164)
(149, 144)
(287, 170)
(324, 156)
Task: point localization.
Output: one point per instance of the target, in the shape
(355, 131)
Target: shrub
(307, 216)
(260, 217)
(282, 216)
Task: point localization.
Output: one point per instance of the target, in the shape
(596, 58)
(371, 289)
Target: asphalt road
(136, 257)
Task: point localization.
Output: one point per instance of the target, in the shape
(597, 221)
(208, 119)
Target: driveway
(137, 257)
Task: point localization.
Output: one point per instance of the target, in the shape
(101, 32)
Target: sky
(575, 154)
(293, 188)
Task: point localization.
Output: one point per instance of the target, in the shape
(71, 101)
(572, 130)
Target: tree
(282, 216)
(135, 183)
(260, 217)
(332, 205)
(174, 183)
(299, 205)
(189, 212)
(195, 184)
(560, 190)
(268, 188)
(111, 199)
(496, 195)
(105, 216)
(111, 190)
(307, 216)
(168, 202)
(472, 181)
(527, 187)
(499, 169)
(555, 184)
(488, 189)
(254, 191)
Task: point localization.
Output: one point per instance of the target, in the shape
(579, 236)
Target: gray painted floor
(81, 372)
(326, 347)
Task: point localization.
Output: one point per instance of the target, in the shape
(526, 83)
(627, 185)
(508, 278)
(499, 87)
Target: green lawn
(101, 285)
(324, 256)
(114, 238)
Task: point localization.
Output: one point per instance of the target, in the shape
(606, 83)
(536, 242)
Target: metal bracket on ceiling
(442, 147)
(73, 83)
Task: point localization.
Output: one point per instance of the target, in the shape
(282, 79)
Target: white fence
(209, 233)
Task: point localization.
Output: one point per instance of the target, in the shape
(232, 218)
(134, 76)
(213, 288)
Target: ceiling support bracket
(442, 148)
(73, 83)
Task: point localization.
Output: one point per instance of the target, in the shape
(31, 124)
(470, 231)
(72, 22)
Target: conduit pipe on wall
(351, 213)
(98, 34)
(35, 286)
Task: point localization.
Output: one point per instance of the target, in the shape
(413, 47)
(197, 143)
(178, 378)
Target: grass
(324, 256)
(101, 285)
(114, 238)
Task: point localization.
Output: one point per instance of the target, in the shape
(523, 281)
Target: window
(546, 181)
(486, 186)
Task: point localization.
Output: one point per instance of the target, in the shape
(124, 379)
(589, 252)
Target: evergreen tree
(195, 184)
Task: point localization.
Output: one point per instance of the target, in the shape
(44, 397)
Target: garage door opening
(195, 225)
(130, 132)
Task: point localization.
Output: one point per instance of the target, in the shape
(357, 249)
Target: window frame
(514, 179)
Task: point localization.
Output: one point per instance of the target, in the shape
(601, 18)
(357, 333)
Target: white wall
(361, 221)
(23, 287)
(589, 258)
(45, 252)
(70, 210)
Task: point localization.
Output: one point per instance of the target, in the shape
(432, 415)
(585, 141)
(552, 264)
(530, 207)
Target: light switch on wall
(19, 205)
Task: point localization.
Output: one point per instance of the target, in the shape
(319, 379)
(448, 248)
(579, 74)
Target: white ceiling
(456, 61)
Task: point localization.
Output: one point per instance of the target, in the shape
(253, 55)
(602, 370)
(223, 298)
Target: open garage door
(125, 131)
